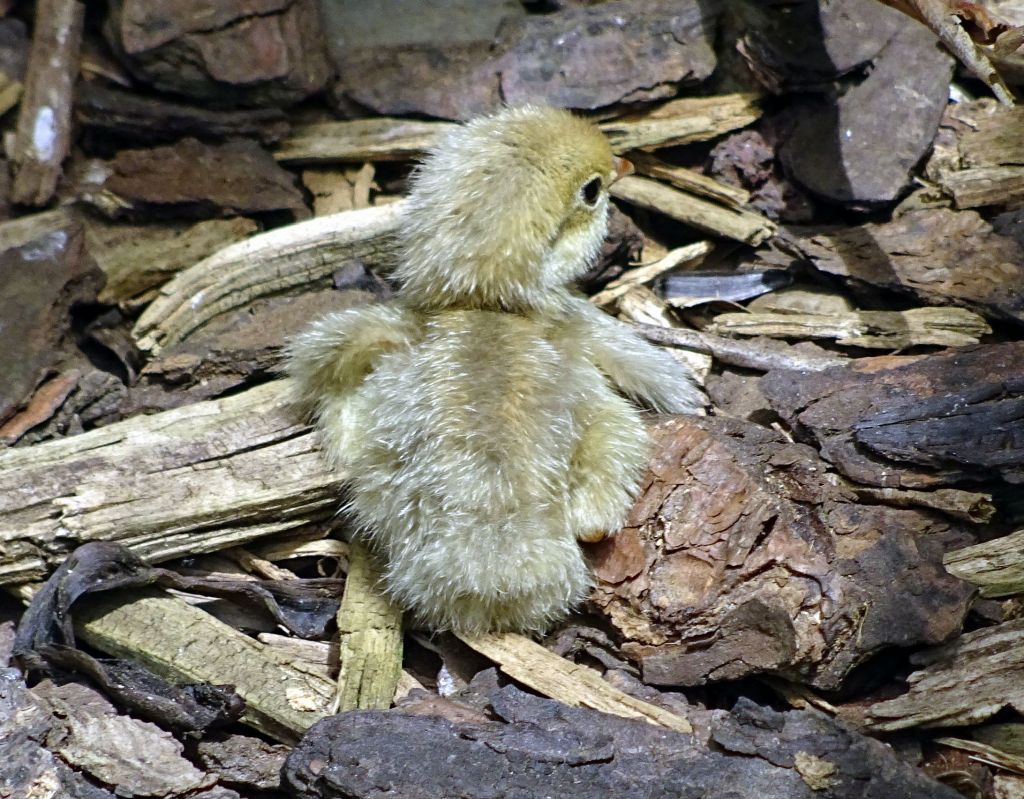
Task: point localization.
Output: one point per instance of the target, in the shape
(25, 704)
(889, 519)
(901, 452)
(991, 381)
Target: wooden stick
(747, 355)
(689, 181)
(43, 137)
(370, 638)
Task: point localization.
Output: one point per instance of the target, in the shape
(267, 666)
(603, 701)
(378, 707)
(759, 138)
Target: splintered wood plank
(996, 566)
(379, 139)
(43, 137)
(194, 479)
(579, 686)
(185, 644)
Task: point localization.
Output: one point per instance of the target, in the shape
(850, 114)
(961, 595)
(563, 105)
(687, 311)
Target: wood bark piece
(938, 256)
(569, 683)
(914, 422)
(741, 225)
(88, 734)
(970, 506)
(43, 139)
(138, 258)
(532, 747)
(241, 346)
(980, 160)
(191, 179)
(190, 480)
(184, 644)
(986, 185)
(996, 566)
(944, 327)
(963, 682)
(682, 121)
(370, 638)
(742, 555)
(270, 263)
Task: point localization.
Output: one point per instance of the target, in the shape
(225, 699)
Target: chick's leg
(606, 466)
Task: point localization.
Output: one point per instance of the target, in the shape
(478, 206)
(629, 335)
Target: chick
(485, 415)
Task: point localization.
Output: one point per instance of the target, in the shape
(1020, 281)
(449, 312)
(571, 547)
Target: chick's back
(462, 477)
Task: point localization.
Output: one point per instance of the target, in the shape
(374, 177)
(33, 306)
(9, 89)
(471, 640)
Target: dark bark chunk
(913, 422)
(543, 748)
(243, 761)
(156, 120)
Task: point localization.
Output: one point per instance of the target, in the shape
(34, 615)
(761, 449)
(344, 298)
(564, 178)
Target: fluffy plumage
(483, 415)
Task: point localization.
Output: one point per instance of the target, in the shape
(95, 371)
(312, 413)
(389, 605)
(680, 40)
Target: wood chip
(690, 256)
(558, 678)
(184, 644)
(741, 225)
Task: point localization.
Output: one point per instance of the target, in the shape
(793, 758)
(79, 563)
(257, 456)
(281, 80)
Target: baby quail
(485, 415)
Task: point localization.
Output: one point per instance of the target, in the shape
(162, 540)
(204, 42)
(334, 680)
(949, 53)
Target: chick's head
(506, 211)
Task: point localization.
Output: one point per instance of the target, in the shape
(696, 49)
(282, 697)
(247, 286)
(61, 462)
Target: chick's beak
(623, 167)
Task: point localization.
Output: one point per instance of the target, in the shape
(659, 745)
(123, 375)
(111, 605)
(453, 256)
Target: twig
(746, 355)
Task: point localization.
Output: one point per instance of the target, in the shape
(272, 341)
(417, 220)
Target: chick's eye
(590, 191)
